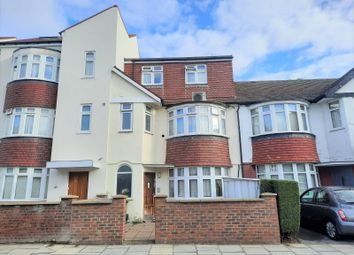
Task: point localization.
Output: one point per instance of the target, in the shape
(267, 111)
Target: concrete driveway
(309, 236)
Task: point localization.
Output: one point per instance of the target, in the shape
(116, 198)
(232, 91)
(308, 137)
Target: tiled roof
(250, 92)
(48, 39)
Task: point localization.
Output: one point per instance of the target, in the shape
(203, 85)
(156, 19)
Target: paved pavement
(155, 249)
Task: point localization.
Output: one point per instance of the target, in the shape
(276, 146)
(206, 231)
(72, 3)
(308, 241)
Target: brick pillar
(63, 219)
(120, 207)
(272, 209)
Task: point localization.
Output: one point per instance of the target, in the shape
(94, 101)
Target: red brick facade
(217, 221)
(31, 93)
(72, 222)
(198, 151)
(249, 171)
(26, 152)
(174, 90)
(272, 149)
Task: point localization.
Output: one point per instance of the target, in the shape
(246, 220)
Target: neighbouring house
(297, 129)
(83, 115)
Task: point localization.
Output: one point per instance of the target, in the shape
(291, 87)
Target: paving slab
(276, 248)
(255, 250)
(115, 251)
(303, 251)
(230, 248)
(93, 249)
(184, 248)
(69, 250)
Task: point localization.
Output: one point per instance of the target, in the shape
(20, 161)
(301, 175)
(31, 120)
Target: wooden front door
(149, 193)
(78, 184)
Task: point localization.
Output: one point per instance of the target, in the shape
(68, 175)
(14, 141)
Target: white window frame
(93, 60)
(30, 174)
(122, 112)
(82, 112)
(273, 116)
(148, 112)
(199, 177)
(24, 112)
(339, 113)
(152, 70)
(193, 68)
(183, 112)
(310, 171)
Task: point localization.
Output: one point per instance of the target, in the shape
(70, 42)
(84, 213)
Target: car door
(307, 201)
(322, 206)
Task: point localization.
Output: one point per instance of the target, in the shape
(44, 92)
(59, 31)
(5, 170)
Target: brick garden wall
(223, 221)
(86, 222)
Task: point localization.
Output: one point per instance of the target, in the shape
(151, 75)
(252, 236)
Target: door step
(134, 242)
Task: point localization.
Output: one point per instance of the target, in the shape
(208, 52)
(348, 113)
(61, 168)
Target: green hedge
(288, 204)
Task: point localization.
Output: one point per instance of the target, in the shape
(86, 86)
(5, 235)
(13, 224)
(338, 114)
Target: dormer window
(152, 75)
(196, 74)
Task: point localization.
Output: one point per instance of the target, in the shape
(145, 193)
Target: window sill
(125, 131)
(87, 77)
(336, 129)
(203, 85)
(202, 134)
(84, 132)
(148, 132)
(153, 85)
(282, 132)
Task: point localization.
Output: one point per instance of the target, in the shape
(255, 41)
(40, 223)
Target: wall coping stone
(69, 197)
(213, 200)
(269, 194)
(92, 201)
(119, 197)
(160, 196)
(16, 203)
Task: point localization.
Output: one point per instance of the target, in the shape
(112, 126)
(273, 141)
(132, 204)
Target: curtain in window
(124, 181)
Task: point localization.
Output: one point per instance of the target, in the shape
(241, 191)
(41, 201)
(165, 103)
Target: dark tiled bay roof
(48, 39)
(250, 92)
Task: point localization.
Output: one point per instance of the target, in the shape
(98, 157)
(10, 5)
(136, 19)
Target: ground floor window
(304, 174)
(23, 183)
(197, 182)
(124, 181)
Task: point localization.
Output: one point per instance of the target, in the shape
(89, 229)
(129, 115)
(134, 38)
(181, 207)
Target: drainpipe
(239, 137)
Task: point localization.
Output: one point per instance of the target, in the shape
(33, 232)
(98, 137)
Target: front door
(78, 183)
(149, 193)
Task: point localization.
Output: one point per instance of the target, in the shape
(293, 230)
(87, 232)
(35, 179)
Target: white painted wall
(246, 133)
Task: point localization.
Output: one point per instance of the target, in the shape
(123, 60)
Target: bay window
(196, 182)
(29, 121)
(279, 117)
(23, 183)
(197, 119)
(305, 174)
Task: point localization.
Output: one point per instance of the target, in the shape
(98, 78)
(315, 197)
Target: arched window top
(124, 169)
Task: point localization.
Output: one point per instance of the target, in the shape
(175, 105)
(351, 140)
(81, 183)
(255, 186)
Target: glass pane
(180, 188)
(292, 107)
(127, 106)
(180, 126)
(8, 187)
(90, 55)
(313, 180)
(48, 72)
(146, 78)
(279, 107)
(261, 169)
(193, 188)
(36, 58)
(336, 119)
(289, 176)
(21, 185)
(333, 105)
(170, 127)
(294, 125)
(180, 112)
(218, 171)
(158, 78)
(124, 184)
(287, 168)
(124, 169)
(147, 122)
(49, 59)
(37, 171)
(302, 182)
(202, 77)
(261, 176)
(36, 187)
(22, 170)
(193, 171)
(190, 77)
(180, 172)
(171, 192)
(29, 124)
(300, 167)
(304, 121)
(255, 125)
(266, 108)
(85, 122)
(89, 68)
(23, 70)
(215, 124)
(223, 126)
(192, 124)
(206, 188)
(86, 108)
(281, 121)
(206, 171)
(24, 58)
(218, 187)
(35, 70)
(171, 172)
(203, 109)
(275, 177)
(126, 122)
(44, 128)
(267, 122)
(191, 109)
(308, 196)
(204, 124)
(16, 126)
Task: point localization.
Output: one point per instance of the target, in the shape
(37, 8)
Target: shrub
(288, 204)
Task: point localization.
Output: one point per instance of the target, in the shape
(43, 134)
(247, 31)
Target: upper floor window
(29, 122)
(36, 66)
(197, 119)
(86, 111)
(89, 63)
(334, 110)
(279, 117)
(152, 75)
(126, 110)
(148, 118)
(23, 183)
(196, 74)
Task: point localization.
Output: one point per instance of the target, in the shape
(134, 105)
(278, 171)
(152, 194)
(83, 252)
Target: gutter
(239, 138)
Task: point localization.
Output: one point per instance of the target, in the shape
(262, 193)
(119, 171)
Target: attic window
(196, 74)
(152, 75)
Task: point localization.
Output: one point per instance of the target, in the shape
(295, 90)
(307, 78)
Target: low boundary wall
(99, 221)
(217, 220)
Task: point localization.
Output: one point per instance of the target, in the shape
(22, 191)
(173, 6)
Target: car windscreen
(345, 195)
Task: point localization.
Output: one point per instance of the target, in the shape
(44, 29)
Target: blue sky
(269, 39)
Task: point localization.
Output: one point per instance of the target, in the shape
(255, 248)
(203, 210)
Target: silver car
(330, 209)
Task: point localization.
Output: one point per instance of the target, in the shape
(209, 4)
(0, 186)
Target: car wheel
(331, 230)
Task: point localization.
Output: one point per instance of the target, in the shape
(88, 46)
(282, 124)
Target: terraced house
(83, 115)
